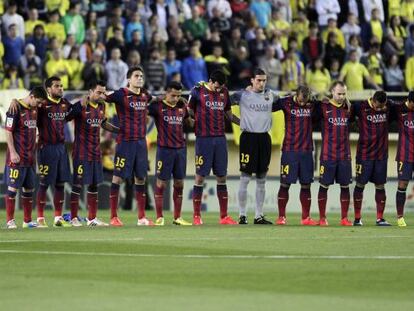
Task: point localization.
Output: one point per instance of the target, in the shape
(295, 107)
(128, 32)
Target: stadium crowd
(368, 43)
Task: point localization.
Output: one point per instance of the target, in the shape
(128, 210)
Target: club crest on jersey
(338, 121)
(9, 122)
(138, 105)
(377, 118)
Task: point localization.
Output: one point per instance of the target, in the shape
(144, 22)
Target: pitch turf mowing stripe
(195, 256)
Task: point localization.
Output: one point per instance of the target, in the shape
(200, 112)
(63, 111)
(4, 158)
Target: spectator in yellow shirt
(54, 29)
(76, 69)
(61, 5)
(277, 23)
(407, 11)
(300, 28)
(318, 78)
(354, 73)
(12, 80)
(332, 27)
(409, 74)
(373, 62)
(58, 66)
(33, 21)
(293, 71)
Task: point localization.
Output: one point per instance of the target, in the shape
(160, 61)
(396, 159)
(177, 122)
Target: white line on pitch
(195, 256)
(201, 239)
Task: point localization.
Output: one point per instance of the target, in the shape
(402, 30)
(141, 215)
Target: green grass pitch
(208, 268)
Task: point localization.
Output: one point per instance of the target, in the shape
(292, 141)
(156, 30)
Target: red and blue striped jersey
(405, 119)
(298, 124)
(335, 131)
(88, 120)
(51, 121)
(373, 131)
(169, 121)
(23, 126)
(209, 110)
(132, 113)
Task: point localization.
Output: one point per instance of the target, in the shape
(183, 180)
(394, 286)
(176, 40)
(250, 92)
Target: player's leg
(405, 171)
(220, 171)
(27, 198)
(344, 178)
(261, 160)
(327, 173)
(246, 169)
(122, 170)
(163, 167)
(11, 176)
(92, 203)
(379, 178)
(289, 170)
(179, 172)
(79, 172)
(363, 173)
(305, 179)
(140, 169)
(62, 176)
(204, 150)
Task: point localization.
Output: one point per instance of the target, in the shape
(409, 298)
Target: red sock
(74, 201)
(27, 202)
(345, 198)
(358, 196)
(41, 201)
(178, 201)
(282, 199)
(92, 201)
(380, 198)
(141, 200)
(322, 198)
(159, 200)
(113, 199)
(58, 200)
(197, 195)
(305, 200)
(222, 196)
(10, 203)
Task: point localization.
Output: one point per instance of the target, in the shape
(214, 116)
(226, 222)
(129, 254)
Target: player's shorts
(339, 171)
(17, 177)
(296, 165)
(374, 171)
(87, 172)
(131, 159)
(53, 164)
(171, 161)
(211, 153)
(255, 152)
(405, 170)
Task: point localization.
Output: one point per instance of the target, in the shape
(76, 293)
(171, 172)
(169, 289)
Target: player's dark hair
(95, 83)
(411, 96)
(49, 81)
(133, 69)
(38, 92)
(380, 96)
(174, 85)
(258, 72)
(304, 90)
(218, 76)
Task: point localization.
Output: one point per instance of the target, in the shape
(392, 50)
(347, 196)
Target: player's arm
(11, 120)
(14, 106)
(106, 125)
(278, 103)
(236, 97)
(74, 111)
(229, 115)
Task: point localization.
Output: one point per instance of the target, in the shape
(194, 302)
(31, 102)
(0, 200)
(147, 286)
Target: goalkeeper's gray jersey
(255, 110)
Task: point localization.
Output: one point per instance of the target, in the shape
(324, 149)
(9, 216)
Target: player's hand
(14, 157)
(84, 100)
(249, 88)
(14, 106)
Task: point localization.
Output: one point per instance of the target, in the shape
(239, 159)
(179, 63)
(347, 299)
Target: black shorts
(255, 152)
